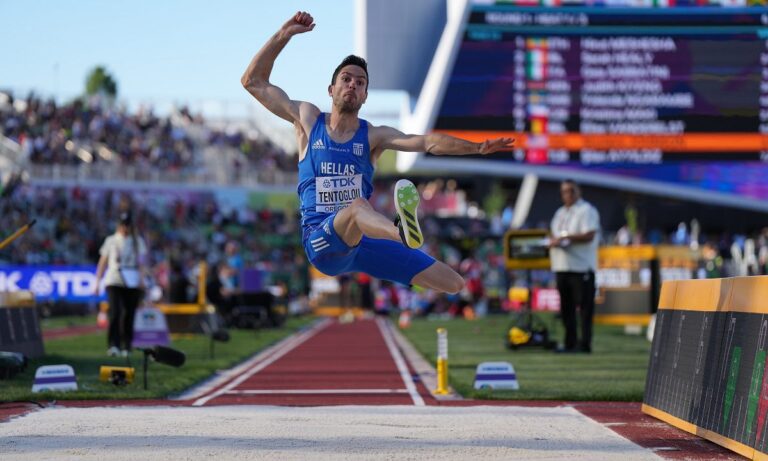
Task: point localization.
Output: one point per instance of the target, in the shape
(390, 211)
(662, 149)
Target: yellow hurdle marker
(17, 234)
(442, 362)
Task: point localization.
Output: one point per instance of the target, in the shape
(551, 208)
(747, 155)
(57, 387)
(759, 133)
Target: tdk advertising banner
(52, 283)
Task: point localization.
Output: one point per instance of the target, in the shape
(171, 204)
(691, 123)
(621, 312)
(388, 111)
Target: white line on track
(318, 391)
(384, 327)
(278, 353)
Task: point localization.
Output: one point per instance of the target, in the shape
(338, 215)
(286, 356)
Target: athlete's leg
(359, 219)
(439, 276)
(388, 260)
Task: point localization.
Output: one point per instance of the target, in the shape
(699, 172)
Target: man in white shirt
(575, 232)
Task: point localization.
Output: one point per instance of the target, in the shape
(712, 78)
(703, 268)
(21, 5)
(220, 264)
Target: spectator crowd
(93, 130)
(183, 228)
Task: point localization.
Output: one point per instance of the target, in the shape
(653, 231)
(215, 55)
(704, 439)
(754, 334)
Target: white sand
(318, 433)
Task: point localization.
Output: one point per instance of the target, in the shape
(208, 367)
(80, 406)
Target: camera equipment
(11, 363)
(164, 355)
(119, 376)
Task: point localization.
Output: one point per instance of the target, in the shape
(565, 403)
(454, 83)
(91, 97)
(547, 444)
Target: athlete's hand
(490, 146)
(298, 24)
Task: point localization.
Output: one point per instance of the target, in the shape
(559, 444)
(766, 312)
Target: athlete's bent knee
(357, 207)
(360, 203)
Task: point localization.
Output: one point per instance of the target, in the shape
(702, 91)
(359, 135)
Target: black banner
(20, 331)
(709, 369)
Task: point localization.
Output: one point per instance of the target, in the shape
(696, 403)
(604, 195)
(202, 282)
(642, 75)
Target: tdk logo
(339, 182)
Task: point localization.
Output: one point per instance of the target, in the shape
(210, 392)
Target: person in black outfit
(178, 284)
(217, 294)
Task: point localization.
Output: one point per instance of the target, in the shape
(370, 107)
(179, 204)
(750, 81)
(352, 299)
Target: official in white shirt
(574, 239)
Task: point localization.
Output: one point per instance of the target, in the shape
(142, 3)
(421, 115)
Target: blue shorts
(383, 259)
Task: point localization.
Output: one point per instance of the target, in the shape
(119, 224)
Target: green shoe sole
(407, 204)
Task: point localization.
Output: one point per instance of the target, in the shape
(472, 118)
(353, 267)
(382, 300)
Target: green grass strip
(615, 371)
(87, 353)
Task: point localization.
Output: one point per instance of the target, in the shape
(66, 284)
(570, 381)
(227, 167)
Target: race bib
(334, 193)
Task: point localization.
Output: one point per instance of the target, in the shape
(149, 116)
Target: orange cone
(405, 319)
(101, 320)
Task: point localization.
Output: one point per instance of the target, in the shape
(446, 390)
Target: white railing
(217, 169)
(131, 173)
(10, 150)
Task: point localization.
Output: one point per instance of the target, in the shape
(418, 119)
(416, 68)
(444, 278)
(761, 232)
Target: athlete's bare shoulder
(308, 114)
(379, 136)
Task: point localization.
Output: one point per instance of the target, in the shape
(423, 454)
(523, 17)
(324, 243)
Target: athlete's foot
(407, 204)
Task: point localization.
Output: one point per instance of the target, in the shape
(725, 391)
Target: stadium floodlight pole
(17, 234)
(442, 362)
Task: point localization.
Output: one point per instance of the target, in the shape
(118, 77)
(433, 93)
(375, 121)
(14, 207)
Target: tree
(99, 80)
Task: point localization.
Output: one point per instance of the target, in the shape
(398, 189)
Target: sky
(164, 52)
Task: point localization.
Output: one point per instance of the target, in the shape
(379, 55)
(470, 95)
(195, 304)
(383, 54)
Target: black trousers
(122, 309)
(577, 290)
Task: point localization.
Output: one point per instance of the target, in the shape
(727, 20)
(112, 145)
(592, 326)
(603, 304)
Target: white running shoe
(407, 204)
(113, 351)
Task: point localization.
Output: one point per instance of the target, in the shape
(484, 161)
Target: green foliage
(615, 370)
(496, 200)
(87, 353)
(99, 80)
(630, 214)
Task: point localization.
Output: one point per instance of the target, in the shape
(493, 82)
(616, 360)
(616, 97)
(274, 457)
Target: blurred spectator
(364, 282)
(216, 293)
(178, 284)
(234, 269)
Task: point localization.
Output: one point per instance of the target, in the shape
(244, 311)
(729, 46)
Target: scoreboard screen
(675, 94)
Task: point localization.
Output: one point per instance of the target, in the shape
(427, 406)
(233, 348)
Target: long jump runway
(341, 391)
(332, 363)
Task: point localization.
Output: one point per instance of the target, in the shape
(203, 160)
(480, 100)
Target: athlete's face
(350, 89)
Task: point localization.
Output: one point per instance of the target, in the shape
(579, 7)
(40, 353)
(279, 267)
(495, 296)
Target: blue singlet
(331, 176)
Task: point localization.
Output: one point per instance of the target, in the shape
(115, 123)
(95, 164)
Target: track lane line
(384, 328)
(315, 391)
(287, 347)
(224, 376)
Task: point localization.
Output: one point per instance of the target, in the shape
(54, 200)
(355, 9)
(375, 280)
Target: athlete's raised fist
(299, 23)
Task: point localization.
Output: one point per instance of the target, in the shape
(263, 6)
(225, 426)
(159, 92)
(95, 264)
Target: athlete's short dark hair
(354, 61)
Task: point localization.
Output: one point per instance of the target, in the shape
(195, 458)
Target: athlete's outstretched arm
(256, 76)
(436, 143)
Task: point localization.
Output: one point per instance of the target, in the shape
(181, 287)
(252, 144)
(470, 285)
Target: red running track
(335, 363)
(65, 332)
